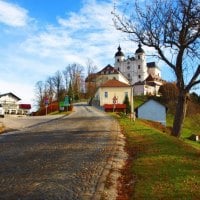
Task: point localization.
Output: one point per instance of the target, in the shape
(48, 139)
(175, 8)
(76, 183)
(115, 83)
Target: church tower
(140, 65)
(119, 59)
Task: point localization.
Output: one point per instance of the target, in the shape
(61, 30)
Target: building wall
(154, 71)
(11, 105)
(152, 110)
(144, 90)
(119, 92)
(135, 70)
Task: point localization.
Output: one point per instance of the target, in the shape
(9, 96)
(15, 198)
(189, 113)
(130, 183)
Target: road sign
(46, 101)
(66, 101)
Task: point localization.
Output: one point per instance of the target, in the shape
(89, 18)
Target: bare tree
(50, 92)
(74, 72)
(172, 28)
(39, 93)
(66, 78)
(58, 84)
(91, 78)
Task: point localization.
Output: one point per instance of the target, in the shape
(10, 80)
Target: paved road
(60, 159)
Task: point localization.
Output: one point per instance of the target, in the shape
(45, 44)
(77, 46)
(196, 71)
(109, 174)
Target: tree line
(69, 81)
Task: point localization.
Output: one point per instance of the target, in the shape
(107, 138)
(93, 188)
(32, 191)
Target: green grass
(191, 126)
(138, 100)
(163, 167)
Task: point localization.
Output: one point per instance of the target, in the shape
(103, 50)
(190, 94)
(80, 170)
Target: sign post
(114, 103)
(66, 101)
(46, 102)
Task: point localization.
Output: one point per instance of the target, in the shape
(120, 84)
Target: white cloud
(12, 15)
(87, 34)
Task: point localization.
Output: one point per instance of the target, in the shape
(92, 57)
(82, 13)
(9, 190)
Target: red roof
(114, 83)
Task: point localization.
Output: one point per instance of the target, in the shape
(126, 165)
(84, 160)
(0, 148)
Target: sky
(40, 37)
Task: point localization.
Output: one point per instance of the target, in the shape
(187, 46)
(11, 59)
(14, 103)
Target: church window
(139, 76)
(138, 56)
(118, 60)
(128, 75)
(128, 67)
(138, 66)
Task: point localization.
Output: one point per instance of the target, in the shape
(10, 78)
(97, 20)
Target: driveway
(61, 158)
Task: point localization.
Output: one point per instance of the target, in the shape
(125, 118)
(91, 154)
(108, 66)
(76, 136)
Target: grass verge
(159, 166)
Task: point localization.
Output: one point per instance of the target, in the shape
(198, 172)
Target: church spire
(139, 50)
(119, 52)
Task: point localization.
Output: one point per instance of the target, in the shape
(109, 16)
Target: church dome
(139, 50)
(119, 53)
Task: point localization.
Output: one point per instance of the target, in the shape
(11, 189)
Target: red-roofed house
(10, 103)
(112, 94)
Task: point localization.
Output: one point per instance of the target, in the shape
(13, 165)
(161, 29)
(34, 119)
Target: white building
(11, 105)
(146, 77)
(152, 110)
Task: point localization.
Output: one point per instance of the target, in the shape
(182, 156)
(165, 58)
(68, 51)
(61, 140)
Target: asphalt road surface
(63, 158)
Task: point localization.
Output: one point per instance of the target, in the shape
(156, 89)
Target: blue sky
(39, 37)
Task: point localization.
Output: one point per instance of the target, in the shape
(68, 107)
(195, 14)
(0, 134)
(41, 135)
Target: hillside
(191, 124)
(159, 166)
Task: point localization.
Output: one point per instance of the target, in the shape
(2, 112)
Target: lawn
(191, 126)
(159, 165)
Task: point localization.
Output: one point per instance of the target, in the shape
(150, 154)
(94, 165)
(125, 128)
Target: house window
(138, 66)
(139, 76)
(106, 94)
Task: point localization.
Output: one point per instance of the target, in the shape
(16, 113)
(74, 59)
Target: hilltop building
(135, 71)
(145, 77)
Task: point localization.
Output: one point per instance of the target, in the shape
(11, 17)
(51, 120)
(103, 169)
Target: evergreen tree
(127, 102)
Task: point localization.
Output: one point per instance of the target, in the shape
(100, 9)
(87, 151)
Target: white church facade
(145, 77)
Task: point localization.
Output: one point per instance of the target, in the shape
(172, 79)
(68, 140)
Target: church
(131, 76)
(145, 77)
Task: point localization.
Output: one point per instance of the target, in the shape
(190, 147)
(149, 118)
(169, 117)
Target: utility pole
(132, 105)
